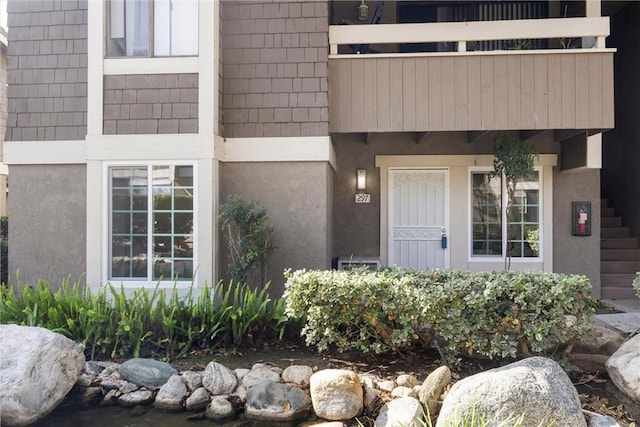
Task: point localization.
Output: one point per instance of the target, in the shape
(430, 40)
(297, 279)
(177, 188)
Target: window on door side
(151, 28)
(490, 236)
(151, 224)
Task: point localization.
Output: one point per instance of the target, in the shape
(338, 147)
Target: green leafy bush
(4, 249)
(636, 284)
(151, 322)
(492, 314)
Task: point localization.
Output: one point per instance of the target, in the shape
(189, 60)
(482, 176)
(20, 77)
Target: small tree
(514, 159)
(248, 232)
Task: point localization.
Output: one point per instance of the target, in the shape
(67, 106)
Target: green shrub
(4, 249)
(492, 314)
(636, 284)
(149, 322)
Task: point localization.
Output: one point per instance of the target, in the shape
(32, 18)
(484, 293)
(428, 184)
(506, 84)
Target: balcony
(469, 89)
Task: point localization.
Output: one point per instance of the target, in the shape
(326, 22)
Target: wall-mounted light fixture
(361, 179)
(363, 12)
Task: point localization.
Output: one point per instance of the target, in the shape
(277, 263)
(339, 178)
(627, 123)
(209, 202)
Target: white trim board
(452, 160)
(293, 149)
(44, 152)
(168, 65)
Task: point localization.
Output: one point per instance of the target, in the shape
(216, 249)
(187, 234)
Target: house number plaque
(363, 198)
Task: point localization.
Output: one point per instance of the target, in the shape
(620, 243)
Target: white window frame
(151, 33)
(494, 258)
(148, 282)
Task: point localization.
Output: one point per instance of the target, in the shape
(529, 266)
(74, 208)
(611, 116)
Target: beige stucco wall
(298, 199)
(577, 255)
(48, 237)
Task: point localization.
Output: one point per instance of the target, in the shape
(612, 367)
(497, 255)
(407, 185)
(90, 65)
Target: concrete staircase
(619, 256)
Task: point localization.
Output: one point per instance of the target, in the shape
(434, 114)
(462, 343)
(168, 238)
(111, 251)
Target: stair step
(614, 232)
(619, 254)
(612, 221)
(617, 279)
(619, 243)
(628, 267)
(617, 292)
(607, 212)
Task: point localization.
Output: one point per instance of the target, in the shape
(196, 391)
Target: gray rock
(589, 362)
(92, 368)
(624, 368)
(87, 396)
(297, 374)
(192, 379)
(220, 409)
(240, 394)
(146, 372)
(328, 424)
(600, 340)
(274, 402)
(110, 398)
(274, 368)
(407, 380)
(110, 373)
(432, 389)
(603, 421)
(241, 372)
(336, 394)
(171, 394)
(127, 387)
(38, 368)
(198, 400)
(371, 397)
(387, 385)
(537, 387)
(402, 391)
(85, 380)
(219, 379)
(258, 374)
(403, 412)
(140, 397)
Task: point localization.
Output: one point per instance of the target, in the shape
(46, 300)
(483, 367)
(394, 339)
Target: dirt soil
(597, 392)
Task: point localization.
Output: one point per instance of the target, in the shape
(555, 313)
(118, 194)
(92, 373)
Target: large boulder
(624, 368)
(336, 394)
(277, 402)
(536, 387)
(146, 372)
(37, 370)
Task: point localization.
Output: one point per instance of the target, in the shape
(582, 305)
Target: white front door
(418, 218)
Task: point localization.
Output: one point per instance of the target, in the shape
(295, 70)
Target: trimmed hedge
(491, 314)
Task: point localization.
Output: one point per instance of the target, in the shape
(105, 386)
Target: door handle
(443, 239)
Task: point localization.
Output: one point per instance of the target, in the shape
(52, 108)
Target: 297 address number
(363, 198)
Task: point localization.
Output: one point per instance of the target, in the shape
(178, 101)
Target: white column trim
(95, 67)
(293, 149)
(208, 75)
(95, 225)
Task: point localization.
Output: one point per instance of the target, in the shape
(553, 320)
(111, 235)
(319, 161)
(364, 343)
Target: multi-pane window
(152, 28)
(490, 236)
(152, 222)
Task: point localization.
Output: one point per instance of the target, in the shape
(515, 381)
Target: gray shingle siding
(274, 58)
(47, 70)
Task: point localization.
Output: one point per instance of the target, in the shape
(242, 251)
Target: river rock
(219, 379)
(589, 362)
(171, 394)
(387, 385)
(275, 402)
(432, 389)
(140, 397)
(599, 340)
(297, 374)
(536, 386)
(407, 380)
(371, 396)
(38, 368)
(87, 396)
(127, 387)
(146, 372)
(220, 409)
(624, 368)
(336, 394)
(198, 400)
(92, 368)
(110, 398)
(192, 379)
(241, 372)
(603, 421)
(258, 374)
(403, 412)
(402, 391)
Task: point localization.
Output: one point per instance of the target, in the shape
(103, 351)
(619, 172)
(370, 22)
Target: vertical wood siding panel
(422, 94)
(334, 95)
(554, 79)
(501, 91)
(395, 94)
(527, 83)
(448, 93)
(345, 95)
(541, 92)
(461, 94)
(409, 85)
(357, 96)
(568, 80)
(370, 95)
(607, 90)
(382, 88)
(475, 93)
(595, 90)
(582, 90)
(435, 94)
(487, 92)
(514, 92)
